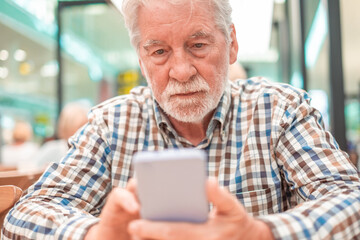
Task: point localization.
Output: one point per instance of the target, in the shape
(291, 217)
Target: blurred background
(56, 52)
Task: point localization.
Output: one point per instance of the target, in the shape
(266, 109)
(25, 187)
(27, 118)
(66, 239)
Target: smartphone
(171, 185)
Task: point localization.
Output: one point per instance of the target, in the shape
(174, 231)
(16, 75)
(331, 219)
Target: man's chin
(189, 114)
(187, 119)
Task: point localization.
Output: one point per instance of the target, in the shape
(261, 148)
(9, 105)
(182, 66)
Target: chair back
(9, 195)
(22, 180)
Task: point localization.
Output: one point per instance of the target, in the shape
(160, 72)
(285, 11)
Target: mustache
(196, 84)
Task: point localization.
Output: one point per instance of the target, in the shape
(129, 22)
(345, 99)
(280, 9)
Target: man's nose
(181, 68)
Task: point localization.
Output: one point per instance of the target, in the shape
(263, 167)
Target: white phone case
(171, 185)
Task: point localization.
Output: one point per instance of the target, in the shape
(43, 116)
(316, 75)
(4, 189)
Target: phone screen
(171, 185)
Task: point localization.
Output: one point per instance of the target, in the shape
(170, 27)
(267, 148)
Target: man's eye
(159, 52)
(198, 45)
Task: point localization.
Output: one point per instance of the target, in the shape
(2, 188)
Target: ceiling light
(25, 68)
(4, 72)
(4, 54)
(20, 55)
(49, 69)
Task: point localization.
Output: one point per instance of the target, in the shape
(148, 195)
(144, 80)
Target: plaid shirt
(265, 144)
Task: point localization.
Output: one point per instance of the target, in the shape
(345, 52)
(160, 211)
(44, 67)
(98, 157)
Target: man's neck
(194, 132)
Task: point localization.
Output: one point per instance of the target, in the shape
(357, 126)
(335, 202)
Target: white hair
(221, 9)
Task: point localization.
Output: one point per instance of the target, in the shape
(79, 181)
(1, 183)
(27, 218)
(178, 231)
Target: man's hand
(121, 207)
(228, 220)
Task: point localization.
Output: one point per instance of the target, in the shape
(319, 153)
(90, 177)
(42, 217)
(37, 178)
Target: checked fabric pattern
(265, 144)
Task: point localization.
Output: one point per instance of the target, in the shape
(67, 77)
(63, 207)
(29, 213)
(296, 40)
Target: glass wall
(102, 52)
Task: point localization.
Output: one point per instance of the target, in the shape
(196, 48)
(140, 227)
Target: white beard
(194, 108)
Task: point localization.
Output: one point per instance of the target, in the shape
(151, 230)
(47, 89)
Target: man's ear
(234, 47)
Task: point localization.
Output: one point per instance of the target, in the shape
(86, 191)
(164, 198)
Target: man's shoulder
(138, 98)
(256, 87)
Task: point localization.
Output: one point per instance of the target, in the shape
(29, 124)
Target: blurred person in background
(20, 152)
(72, 117)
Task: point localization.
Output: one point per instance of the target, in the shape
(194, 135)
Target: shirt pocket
(260, 202)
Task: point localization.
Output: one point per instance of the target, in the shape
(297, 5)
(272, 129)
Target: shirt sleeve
(320, 175)
(69, 196)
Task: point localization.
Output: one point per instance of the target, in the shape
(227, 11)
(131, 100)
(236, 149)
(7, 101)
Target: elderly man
(279, 174)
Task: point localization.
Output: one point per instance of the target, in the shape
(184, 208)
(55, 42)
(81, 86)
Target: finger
(224, 202)
(132, 185)
(143, 229)
(122, 200)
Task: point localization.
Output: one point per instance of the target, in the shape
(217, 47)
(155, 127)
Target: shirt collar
(160, 117)
(222, 109)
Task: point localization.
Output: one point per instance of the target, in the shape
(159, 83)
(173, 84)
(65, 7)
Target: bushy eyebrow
(202, 34)
(199, 34)
(150, 43)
